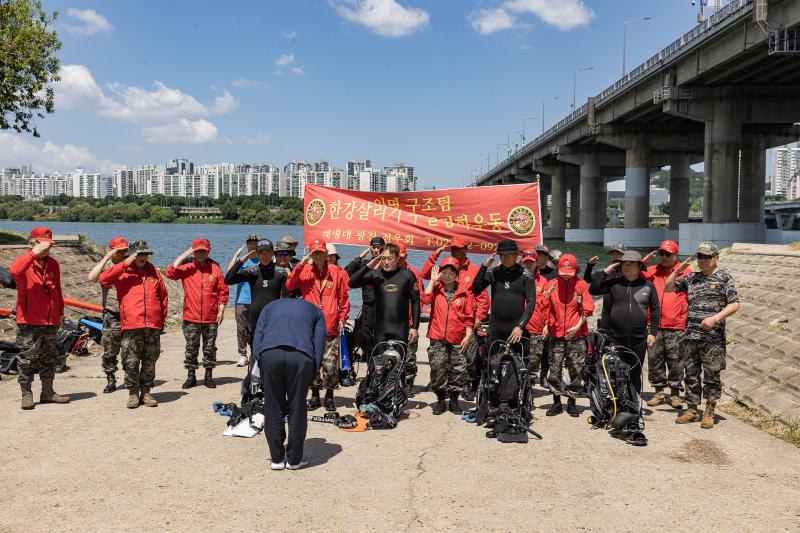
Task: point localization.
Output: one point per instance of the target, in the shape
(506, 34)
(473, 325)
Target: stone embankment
(763, 369)
(76, 259)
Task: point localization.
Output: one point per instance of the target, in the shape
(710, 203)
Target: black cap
(507, 246)
(264, 244)
(377, 241)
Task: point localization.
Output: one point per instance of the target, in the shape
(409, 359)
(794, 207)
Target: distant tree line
(157, 208)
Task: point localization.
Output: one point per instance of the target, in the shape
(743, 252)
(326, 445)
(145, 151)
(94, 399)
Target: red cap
(450, 262)
(42, 234)
(529, 254)
(318, 245)
(669, 246)
(201, 244)
(403, 252)
(567, 265)
(458, 242)
(118, 243)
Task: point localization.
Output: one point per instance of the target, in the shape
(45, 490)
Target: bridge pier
(574, 203)
(637, 184)
(752, 183)
(679, 191)
(558, 207)
(723, 139)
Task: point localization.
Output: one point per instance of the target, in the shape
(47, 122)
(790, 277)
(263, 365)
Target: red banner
(426, 220)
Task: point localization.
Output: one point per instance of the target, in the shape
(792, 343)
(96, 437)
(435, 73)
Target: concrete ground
(94, 465)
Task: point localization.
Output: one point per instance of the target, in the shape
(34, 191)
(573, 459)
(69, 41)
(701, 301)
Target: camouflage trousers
(534, 355)
(328, 376)
(569, 354)
(39, 352)
(112, 337)
(411, 359)
(242, 313)
(665, 361)
(448, 367)
(708, 358)
(140, 350)
(193, 332)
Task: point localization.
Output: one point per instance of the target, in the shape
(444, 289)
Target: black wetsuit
(365, 330)
(632, 304)
(513, 298)
(395, 292)
(267, 283)
(588, 277)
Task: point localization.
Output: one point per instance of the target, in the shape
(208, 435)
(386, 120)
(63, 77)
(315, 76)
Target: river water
(168, 240)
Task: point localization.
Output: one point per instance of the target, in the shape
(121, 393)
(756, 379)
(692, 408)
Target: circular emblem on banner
(521, 220)
(315, 211)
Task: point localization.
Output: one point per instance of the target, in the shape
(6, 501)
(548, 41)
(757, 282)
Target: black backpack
(383, 385)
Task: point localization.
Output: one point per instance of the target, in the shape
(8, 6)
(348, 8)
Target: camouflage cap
(291, 240)
(617, 247)
(284, 246)
(139, 247)
(253, 237)
(707, 248)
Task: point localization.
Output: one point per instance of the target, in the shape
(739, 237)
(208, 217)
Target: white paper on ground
(243, 429)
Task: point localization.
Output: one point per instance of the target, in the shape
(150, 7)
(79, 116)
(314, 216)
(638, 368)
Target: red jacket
(466, 275)
(565, 311)
(673, 304)
(204, 289)
(449, 321)
(142, 295)
(327, 290)
(542, 311)
(39, 298)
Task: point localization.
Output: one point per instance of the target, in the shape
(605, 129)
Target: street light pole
(575, 82)
(625, 39)
(523, 127)
(554, 98)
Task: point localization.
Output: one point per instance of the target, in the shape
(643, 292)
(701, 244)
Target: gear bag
(383, 385)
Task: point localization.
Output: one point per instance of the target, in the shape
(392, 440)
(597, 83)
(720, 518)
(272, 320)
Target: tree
(28, 65)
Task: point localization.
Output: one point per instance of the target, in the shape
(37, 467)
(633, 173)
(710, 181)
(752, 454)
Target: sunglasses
(282, 254)
(705, 257)
(664, 253)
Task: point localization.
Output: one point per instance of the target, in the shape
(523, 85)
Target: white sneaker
(303, 464)
(242, 360)
(277, 466)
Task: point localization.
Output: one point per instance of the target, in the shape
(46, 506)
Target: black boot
(556, 408)
(112, 383)
(208, 380)
(572, 409)
(439, 407)
(191, 380)
(314, 402)
(455, 407)
(328, 403)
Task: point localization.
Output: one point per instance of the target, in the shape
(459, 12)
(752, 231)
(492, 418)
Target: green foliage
(28, 65)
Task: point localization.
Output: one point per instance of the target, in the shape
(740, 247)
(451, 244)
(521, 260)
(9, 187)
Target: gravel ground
(93, 465)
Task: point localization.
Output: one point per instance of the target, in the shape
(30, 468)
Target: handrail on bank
(724, 17)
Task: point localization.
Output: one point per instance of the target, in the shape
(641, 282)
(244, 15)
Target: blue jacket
(294, 323)
(243, 289)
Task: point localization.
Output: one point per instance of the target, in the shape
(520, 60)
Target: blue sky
(437, 84)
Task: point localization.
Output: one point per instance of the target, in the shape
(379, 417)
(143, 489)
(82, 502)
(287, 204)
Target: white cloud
(384, 17)
(285, 59)
(182, 131)
(289, 35)
(487, 21)
(261, 138)
(563, 14)
(91, 22)
(51, 157)
(298, 71)
(244, 83)
(78, 90)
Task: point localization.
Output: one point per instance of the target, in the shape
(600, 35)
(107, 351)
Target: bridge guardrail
(724, 17)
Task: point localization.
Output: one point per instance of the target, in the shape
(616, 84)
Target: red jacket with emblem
(142, 295)
(674, 305)
(204, 289)
(542, 311)
(450, 320)
(466, 275)
(39, 298)
(327, 290)
(568, 302)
